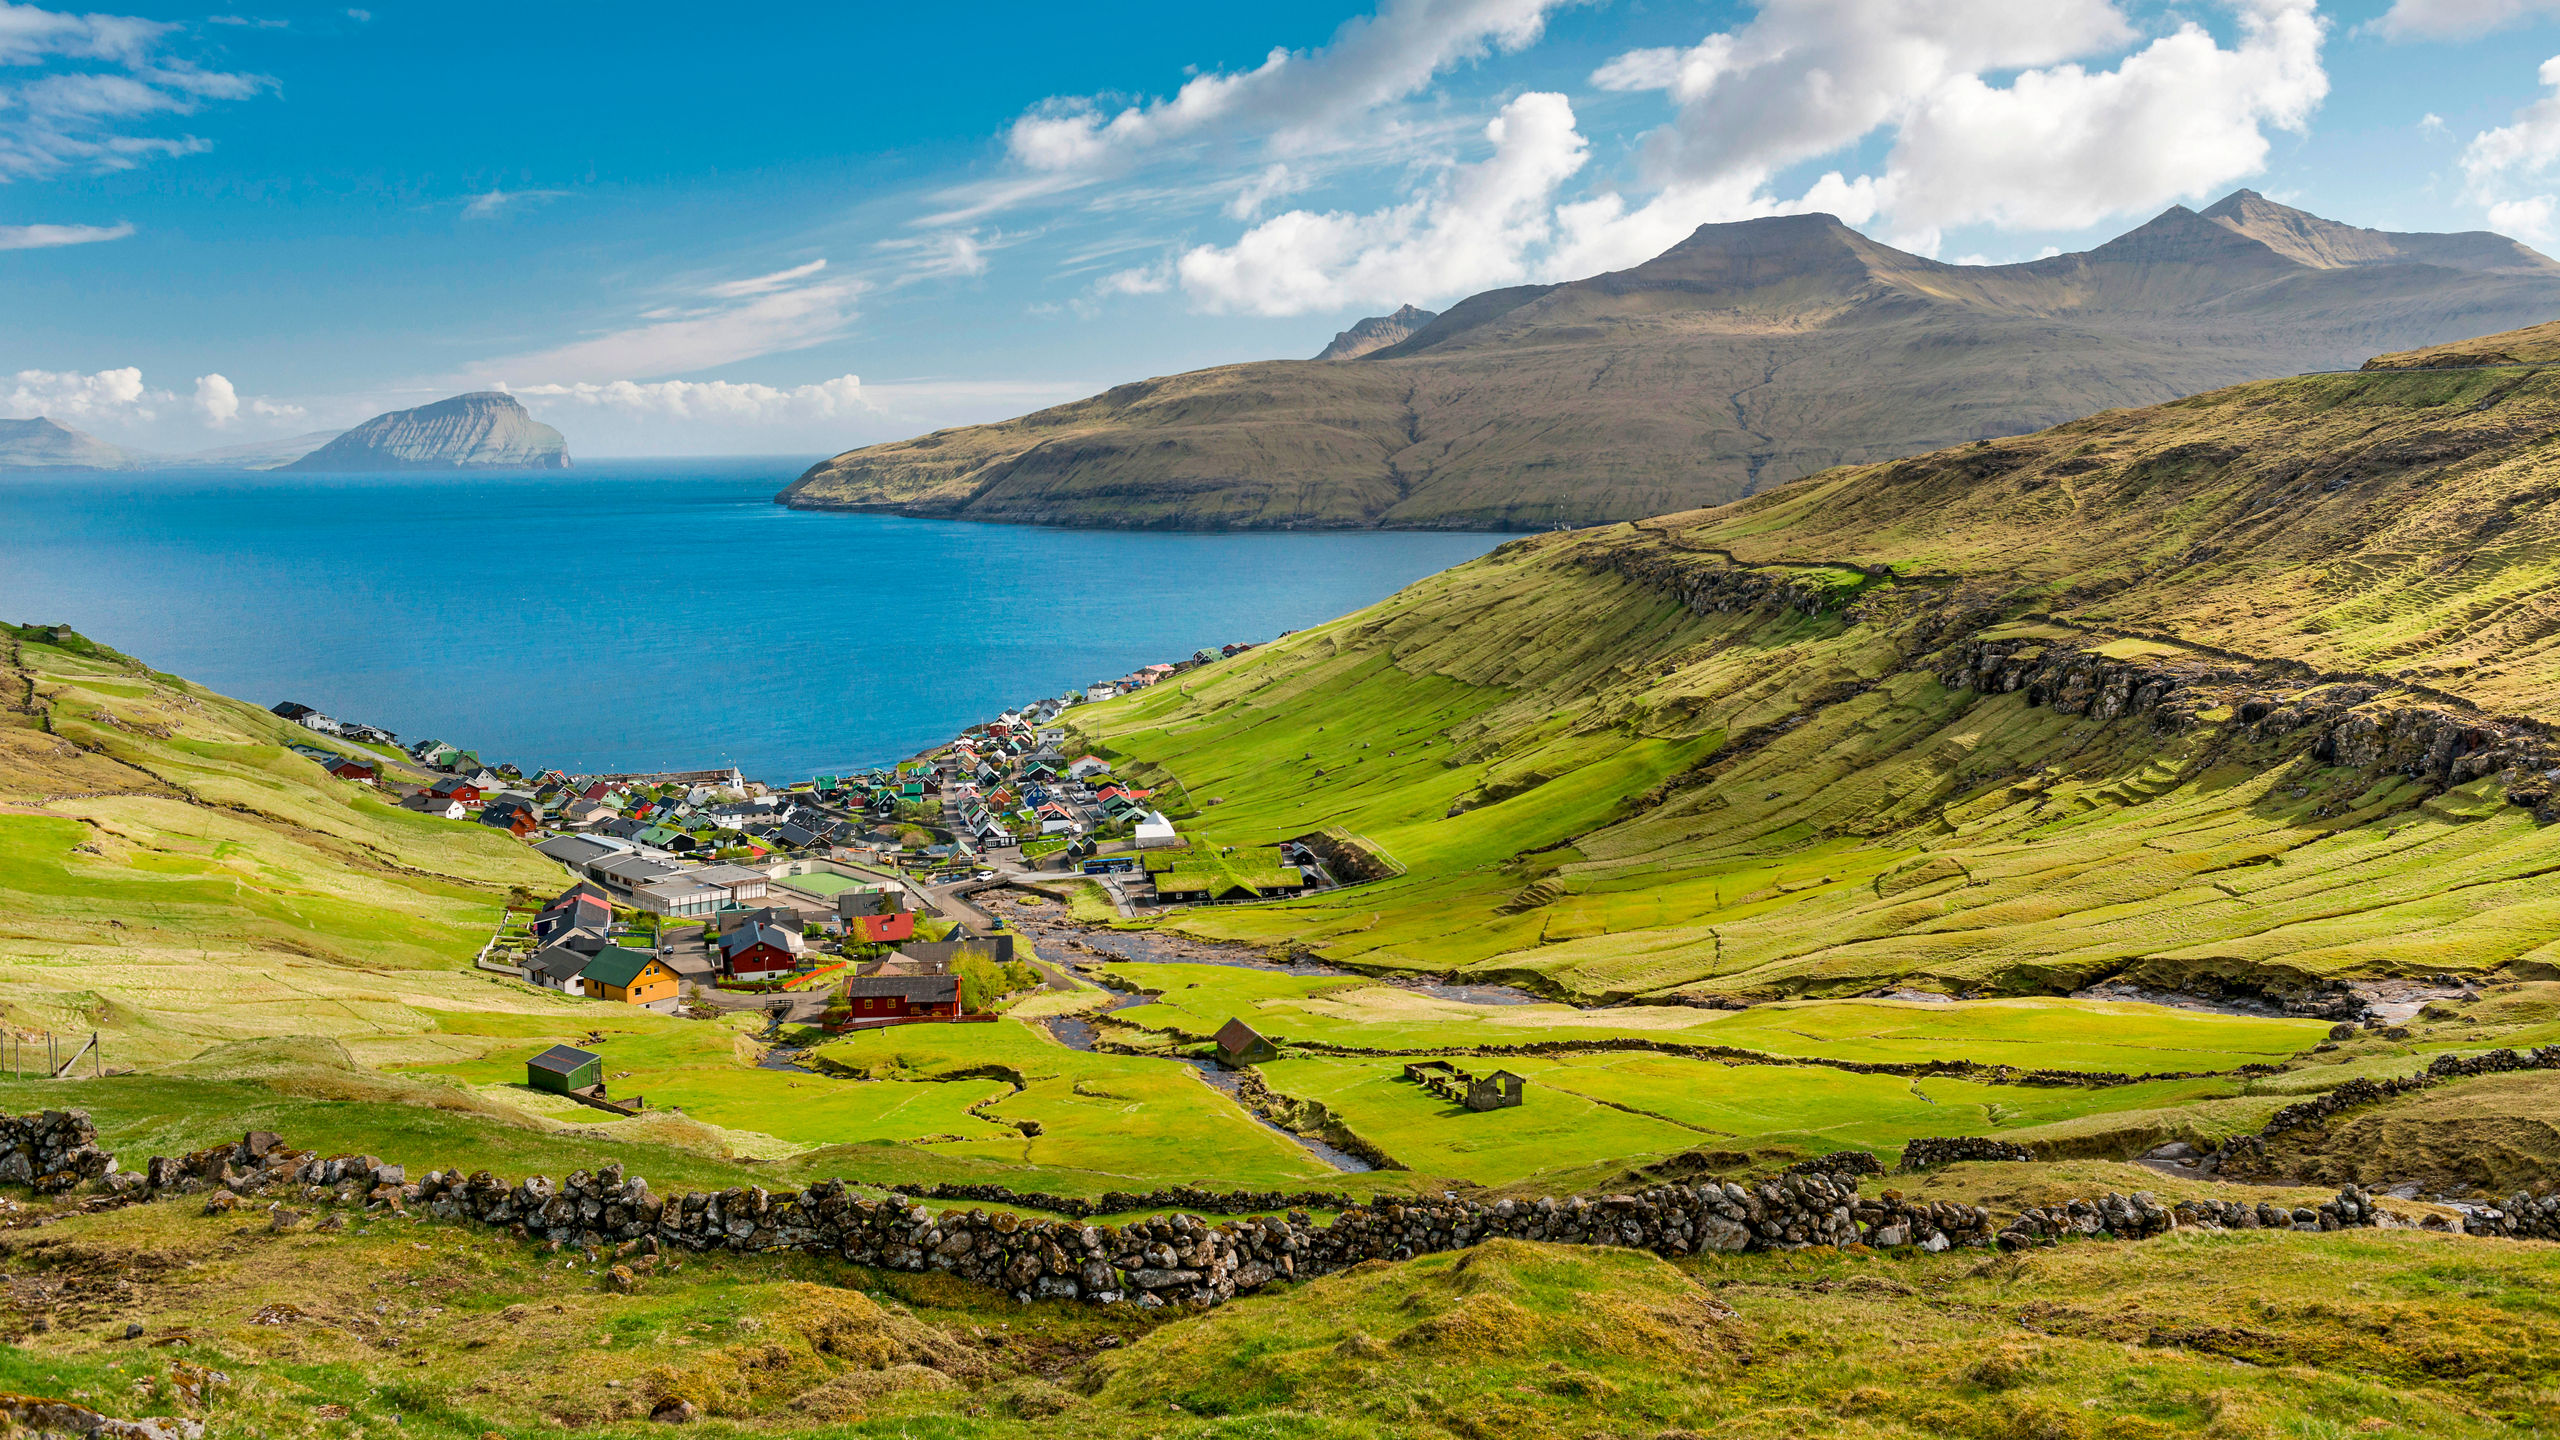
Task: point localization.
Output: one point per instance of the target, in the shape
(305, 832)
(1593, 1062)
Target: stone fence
(1930, 1151)
(1168, 1260)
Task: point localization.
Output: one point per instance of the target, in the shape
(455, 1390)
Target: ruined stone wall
(51, 1151)
(1172, 1259)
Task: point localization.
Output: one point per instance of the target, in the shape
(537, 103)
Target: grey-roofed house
(557, 967)
(901, 997)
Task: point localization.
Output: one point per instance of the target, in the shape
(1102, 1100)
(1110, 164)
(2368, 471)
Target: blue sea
(645, 614)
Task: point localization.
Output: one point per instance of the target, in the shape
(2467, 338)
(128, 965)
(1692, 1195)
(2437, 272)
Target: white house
(1155, 832)
(444, 806)
(1096, 694)
(1089, 766)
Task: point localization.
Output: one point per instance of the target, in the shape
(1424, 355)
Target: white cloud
(1274, 182)
(2057, 146)
(70, 396)
(2459, 19)
(1476, 231)
(721, 324)
(494, 202)
(2501, 168)
(276, 410)
(216, 401)
(1291, 97)
(45, 237)
(99, 77)
(765, 284)
(713, 400)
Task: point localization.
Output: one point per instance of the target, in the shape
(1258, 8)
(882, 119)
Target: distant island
(484, 430)
(1745, 356)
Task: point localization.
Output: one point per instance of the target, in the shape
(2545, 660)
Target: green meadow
(2043, 1033)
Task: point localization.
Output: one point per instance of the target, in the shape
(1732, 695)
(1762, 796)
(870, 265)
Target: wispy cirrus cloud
(99, 83)
(494, 202)
(716, 324)
(47, 237)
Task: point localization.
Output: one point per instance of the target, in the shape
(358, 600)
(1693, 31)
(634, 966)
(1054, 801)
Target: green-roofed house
(564, 1069)
(632, 977)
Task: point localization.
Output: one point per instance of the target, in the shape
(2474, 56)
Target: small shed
(1241, 1044)
(563, 1069)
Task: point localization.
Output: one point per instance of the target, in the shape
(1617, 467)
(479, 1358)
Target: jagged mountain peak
(1377, 333)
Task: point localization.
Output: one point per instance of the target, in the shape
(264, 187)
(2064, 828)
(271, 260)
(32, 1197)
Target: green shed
(564, 1068)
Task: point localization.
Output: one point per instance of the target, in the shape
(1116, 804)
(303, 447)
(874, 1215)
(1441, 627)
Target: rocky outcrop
(485, 430)
(1377, 333)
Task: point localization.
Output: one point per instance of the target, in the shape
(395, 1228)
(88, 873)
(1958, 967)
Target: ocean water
(645, 614)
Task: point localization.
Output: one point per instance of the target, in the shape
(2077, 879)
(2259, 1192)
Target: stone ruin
(51, 1151)
(1497, 1091)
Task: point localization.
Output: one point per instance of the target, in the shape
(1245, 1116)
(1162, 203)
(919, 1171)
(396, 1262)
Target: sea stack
(484, 430)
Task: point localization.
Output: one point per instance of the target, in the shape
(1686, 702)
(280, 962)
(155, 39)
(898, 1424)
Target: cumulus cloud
(72, 396)
(2459, 19)
(719, 324)
(98, 79)
(1292, 96)
(216, 401)
(2503, 168)
(2058, 145)
(1476, 230)
(719, 401)
(46, 237)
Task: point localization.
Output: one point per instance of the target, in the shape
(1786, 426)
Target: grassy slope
(1596, 788)
(175, 877)
(461, 1333)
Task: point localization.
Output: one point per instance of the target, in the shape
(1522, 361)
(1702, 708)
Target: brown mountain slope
(1746, 355)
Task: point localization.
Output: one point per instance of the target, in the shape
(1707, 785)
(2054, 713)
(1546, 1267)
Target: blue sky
(794, 229)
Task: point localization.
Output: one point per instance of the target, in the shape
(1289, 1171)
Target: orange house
(633, 977)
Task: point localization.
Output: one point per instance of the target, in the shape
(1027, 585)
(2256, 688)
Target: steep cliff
(485, 430)
(1377, 333)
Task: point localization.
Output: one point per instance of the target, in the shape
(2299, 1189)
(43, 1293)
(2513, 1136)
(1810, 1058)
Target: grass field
(2045, 1033)
(826, 885)
(1142, 1118)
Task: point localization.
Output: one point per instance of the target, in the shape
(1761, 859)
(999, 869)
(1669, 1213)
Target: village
(840, 901)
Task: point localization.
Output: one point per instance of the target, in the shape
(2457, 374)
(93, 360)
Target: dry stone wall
(1178, 1259)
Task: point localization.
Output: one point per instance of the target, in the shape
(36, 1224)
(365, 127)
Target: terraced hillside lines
(2206, 695)
(1104, 1114)
(176, 877)
(2080, 1036)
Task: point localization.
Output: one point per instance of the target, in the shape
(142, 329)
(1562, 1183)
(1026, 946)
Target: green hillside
(2243, 692)
(174, 877)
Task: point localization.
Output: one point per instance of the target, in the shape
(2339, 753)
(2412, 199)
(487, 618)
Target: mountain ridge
(1749, 353)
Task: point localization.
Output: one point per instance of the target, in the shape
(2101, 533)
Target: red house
(889, 929)
(753, 952)
(902, 997)
(462, 790)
